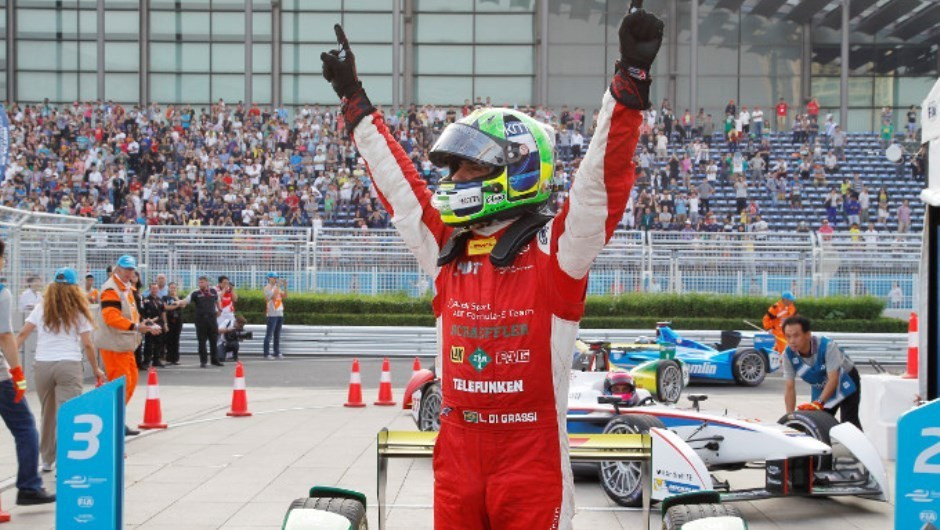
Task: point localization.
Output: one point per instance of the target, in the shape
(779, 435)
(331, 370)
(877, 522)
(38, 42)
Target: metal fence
(39, 243)
(376, 261)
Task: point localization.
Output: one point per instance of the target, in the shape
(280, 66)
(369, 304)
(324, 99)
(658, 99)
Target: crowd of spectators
(237, 165)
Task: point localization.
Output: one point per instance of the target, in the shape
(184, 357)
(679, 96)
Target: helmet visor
(469, 143)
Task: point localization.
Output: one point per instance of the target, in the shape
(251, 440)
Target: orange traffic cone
(385, 387)
(913, 345)
(415, 367)
(354, 399)
(153, 418)
(239, 395)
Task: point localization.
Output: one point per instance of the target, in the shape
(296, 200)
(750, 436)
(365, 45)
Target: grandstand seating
(864, 155)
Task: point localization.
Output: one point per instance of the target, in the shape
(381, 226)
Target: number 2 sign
(90, 460)
(918, 473)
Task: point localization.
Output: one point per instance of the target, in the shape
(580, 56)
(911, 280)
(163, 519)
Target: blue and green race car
(746, 366)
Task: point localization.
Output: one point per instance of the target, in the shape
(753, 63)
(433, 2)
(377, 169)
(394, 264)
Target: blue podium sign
(917, 487)
(90, 460)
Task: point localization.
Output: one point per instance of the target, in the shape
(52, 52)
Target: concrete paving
(211, 471)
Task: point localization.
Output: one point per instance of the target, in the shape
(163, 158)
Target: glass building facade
(515, 52)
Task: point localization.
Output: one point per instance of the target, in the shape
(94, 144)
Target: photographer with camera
(274, 293)
(231, 332)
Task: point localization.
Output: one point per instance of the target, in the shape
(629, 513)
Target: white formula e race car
(807, 453)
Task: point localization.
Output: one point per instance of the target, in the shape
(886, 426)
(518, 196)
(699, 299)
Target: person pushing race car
(776, 315)
(510, 280)
(818, 360)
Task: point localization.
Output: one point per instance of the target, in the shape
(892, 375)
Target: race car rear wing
(583, 448)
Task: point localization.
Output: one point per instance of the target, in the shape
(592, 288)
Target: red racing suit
(507, 333)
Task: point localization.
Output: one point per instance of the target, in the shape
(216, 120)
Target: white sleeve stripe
(585, 225)
(390, 179)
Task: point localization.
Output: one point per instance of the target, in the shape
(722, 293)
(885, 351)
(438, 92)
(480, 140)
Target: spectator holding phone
(274, 294)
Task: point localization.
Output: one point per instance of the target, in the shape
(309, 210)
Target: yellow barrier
(583, 448)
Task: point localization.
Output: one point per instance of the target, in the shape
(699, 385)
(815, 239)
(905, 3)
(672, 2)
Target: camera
(239, 334)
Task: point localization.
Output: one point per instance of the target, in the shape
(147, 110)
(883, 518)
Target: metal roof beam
(731, 5)
(886, 15)
(834, 18)
(768, 8)
(920, 22)
(804, 12)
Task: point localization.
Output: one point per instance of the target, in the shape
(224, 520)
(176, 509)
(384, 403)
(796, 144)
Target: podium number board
(917, 488)
(90, 460)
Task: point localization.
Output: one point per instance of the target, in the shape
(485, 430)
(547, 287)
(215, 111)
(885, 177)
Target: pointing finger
(341, 37)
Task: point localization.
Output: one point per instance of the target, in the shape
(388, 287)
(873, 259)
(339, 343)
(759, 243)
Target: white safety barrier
(410, 341)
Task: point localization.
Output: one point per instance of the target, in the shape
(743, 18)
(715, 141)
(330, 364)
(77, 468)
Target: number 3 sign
(918, 474)
(90, 460)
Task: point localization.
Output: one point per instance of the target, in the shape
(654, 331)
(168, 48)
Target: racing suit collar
(492, 227)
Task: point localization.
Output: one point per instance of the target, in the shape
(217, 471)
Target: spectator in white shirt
(64, 321)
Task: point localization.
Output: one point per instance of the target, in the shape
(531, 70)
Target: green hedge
(726, 306)
(880, 325)
(253, 301)
(629, 311)
(632, 304)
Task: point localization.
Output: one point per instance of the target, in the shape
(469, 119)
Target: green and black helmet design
(517, 148)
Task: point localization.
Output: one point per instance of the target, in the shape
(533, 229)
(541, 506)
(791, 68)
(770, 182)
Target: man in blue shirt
(818, 360)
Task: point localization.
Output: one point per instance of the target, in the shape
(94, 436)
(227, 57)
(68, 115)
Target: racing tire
(749, 367)
(817, 424)
(669, 382)
(681, 514)
(622, 481)
(351, 509)
(429, 415)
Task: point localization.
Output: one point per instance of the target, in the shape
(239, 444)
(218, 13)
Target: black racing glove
(641, 35)
(339, 68)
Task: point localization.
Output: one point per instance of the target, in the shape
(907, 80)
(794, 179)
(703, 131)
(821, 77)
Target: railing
(373, 261)
(406, 342)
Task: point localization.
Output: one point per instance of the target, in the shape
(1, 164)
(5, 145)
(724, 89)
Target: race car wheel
(677, 516)
(815, 423)
(749, 367)
(668, 382)
(351, 509)
(622, 481)
(429, 418)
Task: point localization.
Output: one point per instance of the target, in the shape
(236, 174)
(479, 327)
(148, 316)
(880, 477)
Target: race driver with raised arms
(510, 281)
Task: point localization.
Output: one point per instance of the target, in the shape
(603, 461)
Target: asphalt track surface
(296, 372)
(210, 471)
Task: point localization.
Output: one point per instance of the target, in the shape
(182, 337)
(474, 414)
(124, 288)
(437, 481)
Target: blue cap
(67, 276)
(127, 262)
(272, 275)
(787, 295)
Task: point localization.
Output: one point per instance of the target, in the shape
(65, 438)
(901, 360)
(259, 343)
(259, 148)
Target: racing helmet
(515, 147)
(620, 384)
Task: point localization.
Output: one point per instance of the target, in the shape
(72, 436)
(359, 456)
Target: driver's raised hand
(339, 66)
(641, 35)
(339, 69)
